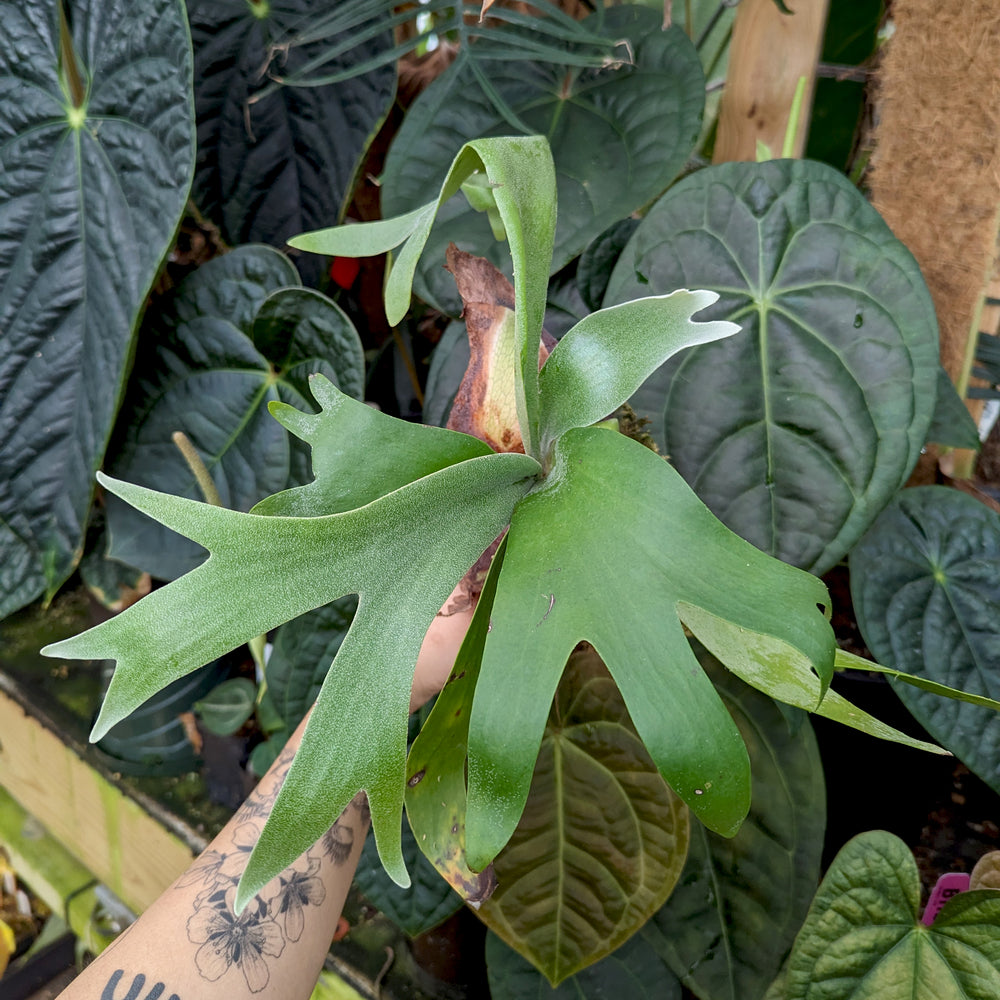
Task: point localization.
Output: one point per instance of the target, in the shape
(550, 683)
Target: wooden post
(769, 54)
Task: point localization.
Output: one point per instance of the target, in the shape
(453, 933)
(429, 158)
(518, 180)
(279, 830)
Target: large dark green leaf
(300, 660)
(739, 903)
(618, 137)
(428, 900)
(602, 839)
(273, 167)
(862, 939)
(89, 200)
(612, 518)
(232, 339)
(634, 971)
(926, 587)
(799, 431)
(952, 425)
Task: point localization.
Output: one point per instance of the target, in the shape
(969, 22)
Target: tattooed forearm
(338, 842)
(258, 806)
(276, 916)
(135, 990)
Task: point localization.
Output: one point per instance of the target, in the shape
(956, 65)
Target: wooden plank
(110, 834)
(769, 54)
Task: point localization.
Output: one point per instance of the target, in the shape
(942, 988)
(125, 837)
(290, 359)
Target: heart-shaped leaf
(93, 181)
(602, 839)
(402, 576)
(727, 926)
(271, 167)
(232, 339)
(634, 971)
(863, 939)
(226, 707)
(799, 431)
(925, 582)
(573, 542)
(619, 135)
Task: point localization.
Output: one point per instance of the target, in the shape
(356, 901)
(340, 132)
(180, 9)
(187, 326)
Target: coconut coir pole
(936, 167)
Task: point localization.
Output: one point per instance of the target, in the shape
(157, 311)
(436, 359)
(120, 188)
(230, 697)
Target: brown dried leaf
(986, 874)
(485, 405)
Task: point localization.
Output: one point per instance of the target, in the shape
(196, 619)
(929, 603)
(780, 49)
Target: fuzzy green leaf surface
(862, 939)
(588, 561)
(798, 431)
(619, 135)
(604, 358)
(521, 175)
(602, 840)
(92, 187)
(356, 736)
(727, 926)
(925, 582)
(272, 164)
(360, 454)
(237, 334)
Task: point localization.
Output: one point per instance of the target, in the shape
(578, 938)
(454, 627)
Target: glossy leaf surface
(602, 839)
(271, 167)
(356, 736)
(436, 798)
(637, 122)
(90, 196)
(799, 431)
(225, 708)
(732, 918)
(233, 338)
(634, 971)
(925, 582)
(862, 938)
(572, 543)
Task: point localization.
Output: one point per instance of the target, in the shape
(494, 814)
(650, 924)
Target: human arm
(189, 945)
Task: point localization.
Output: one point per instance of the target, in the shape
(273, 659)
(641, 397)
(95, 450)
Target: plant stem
(197, 467)
(67, 59)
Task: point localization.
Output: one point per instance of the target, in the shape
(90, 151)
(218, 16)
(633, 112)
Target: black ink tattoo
(138, 982)
(276, 915)
(338, 842)
(261, 931)
(258, 806)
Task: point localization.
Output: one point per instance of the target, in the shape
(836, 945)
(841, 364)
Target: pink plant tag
(947, 886)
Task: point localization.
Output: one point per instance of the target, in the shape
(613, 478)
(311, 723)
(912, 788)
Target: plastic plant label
(948, 885)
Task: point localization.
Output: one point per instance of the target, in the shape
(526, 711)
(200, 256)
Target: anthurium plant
(605, 544)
